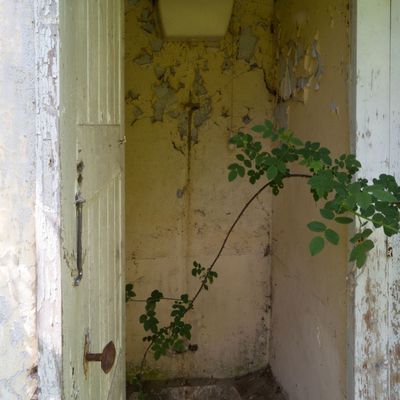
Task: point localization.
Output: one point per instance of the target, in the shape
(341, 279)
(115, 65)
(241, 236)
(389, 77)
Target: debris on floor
(259, 385)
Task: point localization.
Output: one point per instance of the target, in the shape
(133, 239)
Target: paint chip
(165, 96)
(157, 45)
(148, 27)
(198, 85)
(201, 115)
(143, 59)
(226, 64)
(247, 44)
(131, 96)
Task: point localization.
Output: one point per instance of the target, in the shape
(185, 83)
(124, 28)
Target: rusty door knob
(107, 357)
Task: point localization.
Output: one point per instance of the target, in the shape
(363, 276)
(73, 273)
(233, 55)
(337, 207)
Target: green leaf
(179, 346)
(316, 226)
(361, 248)
(316, 245)
(322, 182)
(296, 141)
(258, 128)
(343, 220)
(361, 259)
(382, 195)
(328, 214)
(247, 163)
(272, 172)
(240, 170)
(332, 236)
(232, 175)
(363, 199)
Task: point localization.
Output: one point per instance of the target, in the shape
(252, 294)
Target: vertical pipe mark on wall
(191, 108)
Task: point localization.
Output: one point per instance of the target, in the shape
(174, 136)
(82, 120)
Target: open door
(92, 195)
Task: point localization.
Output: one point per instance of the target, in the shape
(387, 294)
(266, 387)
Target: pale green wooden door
(92, 195)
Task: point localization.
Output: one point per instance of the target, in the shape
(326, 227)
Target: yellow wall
(179, 204)
(308, 349)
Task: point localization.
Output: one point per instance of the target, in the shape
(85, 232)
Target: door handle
(79, 201)
(106, 357)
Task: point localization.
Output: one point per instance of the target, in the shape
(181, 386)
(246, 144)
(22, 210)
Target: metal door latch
(79, 201)
(106, 357)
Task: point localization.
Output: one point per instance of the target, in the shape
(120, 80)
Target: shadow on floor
(260, 385)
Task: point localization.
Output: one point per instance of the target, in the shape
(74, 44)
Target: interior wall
(308, 348)
(179, 204)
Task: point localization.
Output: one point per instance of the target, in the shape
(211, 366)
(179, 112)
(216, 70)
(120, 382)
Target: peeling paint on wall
(193, 96)
(309, 326)
(18, 343)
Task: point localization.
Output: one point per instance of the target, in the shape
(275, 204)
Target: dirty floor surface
(260, 385)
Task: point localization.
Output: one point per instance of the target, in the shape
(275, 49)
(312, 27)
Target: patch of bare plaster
(183, 125)
(300, 69)
(227, 64)
(281, 114)
(334, 107)
(159, 71)
(198, 84)
(147, 22)
(165, 96)
(137, 113)
(157, 45)
(164, 73)
(143, 59)
(287, 85)
(203, 113)
(247, 44)
(131, 96)
(319, 67)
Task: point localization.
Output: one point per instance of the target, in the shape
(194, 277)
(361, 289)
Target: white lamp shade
(194, 19)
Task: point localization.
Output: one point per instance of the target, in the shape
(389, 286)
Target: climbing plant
(342, 196)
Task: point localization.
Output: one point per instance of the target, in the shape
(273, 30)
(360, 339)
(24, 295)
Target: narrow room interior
(274, 312)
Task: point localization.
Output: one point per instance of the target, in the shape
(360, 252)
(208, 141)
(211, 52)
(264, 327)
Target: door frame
(371, 296)
(48, 205)
(371, 339)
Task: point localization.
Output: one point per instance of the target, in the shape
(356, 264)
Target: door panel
(92, 172)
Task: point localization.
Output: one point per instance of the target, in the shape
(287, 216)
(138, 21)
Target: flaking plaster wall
(18, 346)
(308, 345)
(183, 103)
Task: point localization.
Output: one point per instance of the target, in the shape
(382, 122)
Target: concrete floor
(260, 385)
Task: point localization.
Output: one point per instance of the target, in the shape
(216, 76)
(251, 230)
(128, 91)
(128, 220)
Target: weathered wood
(394, 244)
(92, 165)
(374, 290)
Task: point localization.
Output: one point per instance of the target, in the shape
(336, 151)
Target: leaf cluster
(207, 276)
(333, 182)
(174, 336)
(129, 293)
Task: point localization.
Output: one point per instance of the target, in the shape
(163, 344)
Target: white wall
(18, 348)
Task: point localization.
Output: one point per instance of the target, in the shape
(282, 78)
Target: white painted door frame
(48, 206)
(374, 300)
